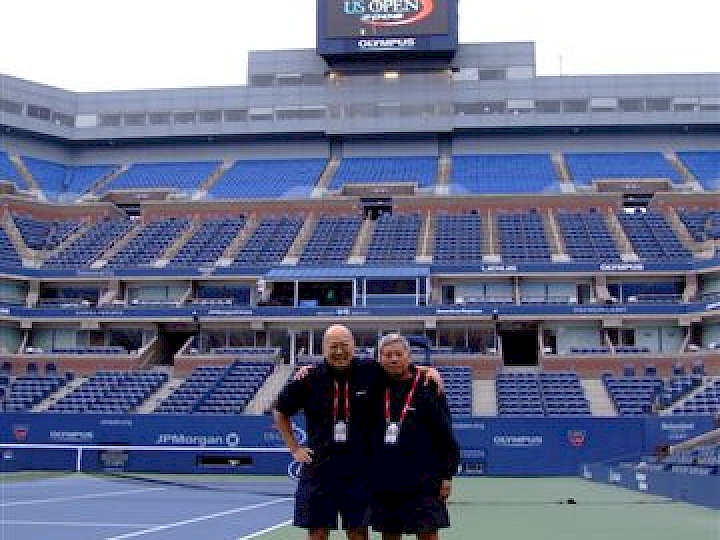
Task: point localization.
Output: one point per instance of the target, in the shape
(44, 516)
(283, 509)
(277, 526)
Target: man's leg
(358, 534)
(318, 534)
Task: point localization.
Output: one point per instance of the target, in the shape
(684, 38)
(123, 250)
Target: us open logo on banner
(389, 13)
(20, 433)
(576, 437)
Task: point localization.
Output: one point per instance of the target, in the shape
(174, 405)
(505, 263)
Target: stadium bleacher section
(585, 168)
(395, 239)
(458, 239)
(701, 224)
(521, 173)
(704, 166)
(522, 237)
(421, 170)
(90, 245)
(9, 255)
(251, 179)
(587, 237)
(208, 242)
(270, 242)
(652, 237)
(331, 241)
(540, 394)
(150, 243)
(24, 392)
(177, 176)
(9, 173)
(41, 234)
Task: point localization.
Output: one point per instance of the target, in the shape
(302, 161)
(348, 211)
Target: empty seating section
(9, 256)
(254, 179)
(704, 166)
(41, 234)
(458, 239)
(149, 244)
(331, 241)
(176, 176)
(701, 224)
(584, 168)
(652, 237)
(395, 239)
(208, 242)
(706, 401)
(511, 173)
(270, 242)
(23, 393)
(521, 237)
(9, 173)
(50, 176)
(111, 392)
(633, 396)
(421, 170)
(81, 178)
(458, 388)
(218, 389)
(587, 237)
(90, 245)
(707, 455)
(541, 394)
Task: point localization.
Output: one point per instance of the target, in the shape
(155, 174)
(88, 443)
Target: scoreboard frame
(390, 39)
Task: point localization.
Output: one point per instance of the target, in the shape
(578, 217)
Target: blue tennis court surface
(80, 507)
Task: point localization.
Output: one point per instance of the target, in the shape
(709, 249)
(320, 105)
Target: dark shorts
(408, 513)
(318, 504)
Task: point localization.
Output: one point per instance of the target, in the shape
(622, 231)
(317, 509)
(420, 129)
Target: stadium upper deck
(513, 219)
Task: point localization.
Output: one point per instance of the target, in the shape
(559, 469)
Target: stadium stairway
(176, 245)
(301, 240)
(679, 166)
(63, 391)
(557, 244)
(362, 241)
(327, 176)
(484, 398)
(426, 239)
(25, 173)
(228, 256)
(563, 174)
(707, 383)
(207, 184)
(16, 238)
(627, 252)
(598, 398)
(490, 238)
(155, 399)
(444, 174)
(686, 239)
(270, 390)
(115, 248)
(105, 180)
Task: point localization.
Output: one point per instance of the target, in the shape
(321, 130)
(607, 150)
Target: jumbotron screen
(386, 18)
(348, 27)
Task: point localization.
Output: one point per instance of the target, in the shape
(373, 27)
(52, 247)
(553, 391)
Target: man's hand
(432, 374)
(302, 454)
(302, 372)
(445, 490)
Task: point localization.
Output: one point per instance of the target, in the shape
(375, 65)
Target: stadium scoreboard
(357, 29)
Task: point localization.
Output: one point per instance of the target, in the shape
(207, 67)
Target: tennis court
(89, 507)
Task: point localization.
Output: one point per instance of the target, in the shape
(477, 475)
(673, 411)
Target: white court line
(77, 524)
(269, 529)
(78, 497)
(199, 519)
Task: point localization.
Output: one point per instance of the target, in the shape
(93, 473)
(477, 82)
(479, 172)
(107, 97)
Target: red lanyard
(336, 401)
(408, 400)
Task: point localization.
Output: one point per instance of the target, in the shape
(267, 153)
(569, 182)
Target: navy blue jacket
(426, 452)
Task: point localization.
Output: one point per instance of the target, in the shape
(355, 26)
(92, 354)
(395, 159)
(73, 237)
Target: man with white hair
(414, 454)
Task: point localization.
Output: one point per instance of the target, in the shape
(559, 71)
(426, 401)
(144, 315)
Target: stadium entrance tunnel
(519, 345)
(172, 338)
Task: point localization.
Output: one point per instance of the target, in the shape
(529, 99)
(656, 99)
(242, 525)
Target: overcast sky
(89, 45)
